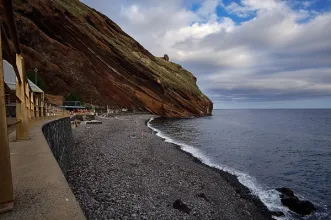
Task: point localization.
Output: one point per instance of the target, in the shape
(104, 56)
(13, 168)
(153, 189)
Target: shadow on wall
(58, 134)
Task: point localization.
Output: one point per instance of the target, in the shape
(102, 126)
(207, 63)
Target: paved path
(11, 120)
(41, 190)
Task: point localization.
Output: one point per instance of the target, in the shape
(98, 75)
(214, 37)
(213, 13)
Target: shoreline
(150, 174)
(232, 179)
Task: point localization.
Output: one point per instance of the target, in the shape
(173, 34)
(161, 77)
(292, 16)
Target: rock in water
(286, 191)
(288, 199)
(297, 206)
(178, 204)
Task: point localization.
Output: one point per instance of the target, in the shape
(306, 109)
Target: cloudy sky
(245, 53)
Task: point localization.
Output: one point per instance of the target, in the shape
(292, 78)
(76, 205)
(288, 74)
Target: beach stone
(277, 213)
(178, 204)
(203, 196)
(301, 207)
(247, 213)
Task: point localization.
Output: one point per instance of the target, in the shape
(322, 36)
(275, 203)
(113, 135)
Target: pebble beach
(121, 170)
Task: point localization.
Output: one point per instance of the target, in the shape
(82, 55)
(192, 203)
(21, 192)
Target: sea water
(265, 149)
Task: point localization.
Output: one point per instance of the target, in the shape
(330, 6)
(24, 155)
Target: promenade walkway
(40, 188)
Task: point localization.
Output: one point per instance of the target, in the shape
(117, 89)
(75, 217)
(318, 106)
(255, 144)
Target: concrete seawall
(58, 134)
(40, 188)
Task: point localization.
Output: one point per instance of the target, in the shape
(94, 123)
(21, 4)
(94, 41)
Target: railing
(29, 105)
(72, 103)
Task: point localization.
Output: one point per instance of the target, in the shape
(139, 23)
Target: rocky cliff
(82, 52)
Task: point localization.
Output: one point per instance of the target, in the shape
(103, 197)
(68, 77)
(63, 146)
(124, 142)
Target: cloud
(208, 8)
(281, 51)
(248, 7)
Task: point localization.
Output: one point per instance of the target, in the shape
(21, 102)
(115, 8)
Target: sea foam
(270, 197)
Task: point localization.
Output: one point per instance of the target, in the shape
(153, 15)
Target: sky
(245, 53)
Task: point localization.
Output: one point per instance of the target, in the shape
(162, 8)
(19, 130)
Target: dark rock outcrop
(166, 57)
(285, 192)
(301, 207)
(178, 204)
(80, 51)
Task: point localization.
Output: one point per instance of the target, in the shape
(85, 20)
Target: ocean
(265, 149)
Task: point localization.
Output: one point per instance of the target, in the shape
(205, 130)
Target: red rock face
(80, 51)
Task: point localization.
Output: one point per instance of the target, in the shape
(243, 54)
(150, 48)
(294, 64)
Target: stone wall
(58, 134)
